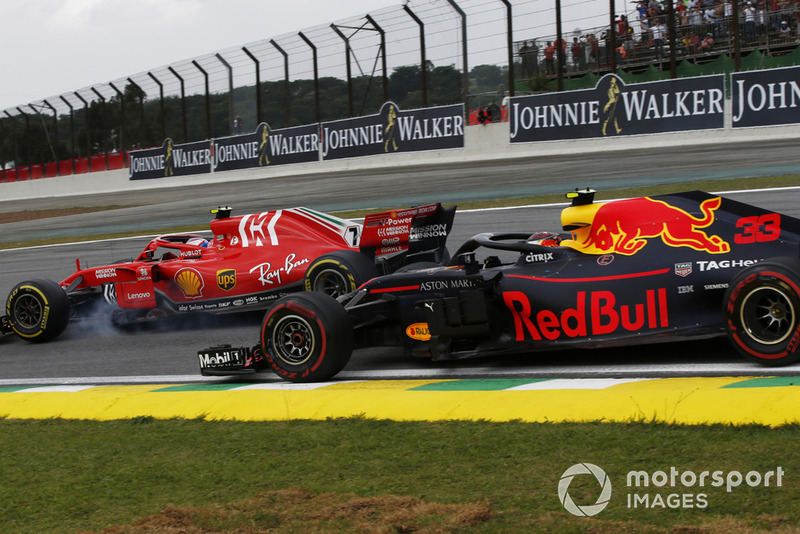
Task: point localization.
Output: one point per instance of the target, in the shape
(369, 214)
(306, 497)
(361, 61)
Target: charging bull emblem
(625, 226)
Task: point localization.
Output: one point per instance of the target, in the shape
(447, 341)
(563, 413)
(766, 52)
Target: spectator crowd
(702, 27)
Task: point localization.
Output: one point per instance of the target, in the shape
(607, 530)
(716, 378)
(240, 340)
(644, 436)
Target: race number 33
(758, 229)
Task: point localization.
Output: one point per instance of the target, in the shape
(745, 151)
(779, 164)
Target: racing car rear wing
(409, 235)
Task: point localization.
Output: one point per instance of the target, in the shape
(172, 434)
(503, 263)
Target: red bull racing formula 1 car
(644, 270)
(250, 262)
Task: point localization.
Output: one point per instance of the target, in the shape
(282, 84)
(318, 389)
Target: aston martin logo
(190, 282)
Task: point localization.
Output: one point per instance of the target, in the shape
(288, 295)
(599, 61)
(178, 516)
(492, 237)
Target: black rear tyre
(307, 337)
(339, 273)
(762, 312)
(38, 310)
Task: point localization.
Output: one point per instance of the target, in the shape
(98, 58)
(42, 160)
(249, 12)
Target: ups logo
(226, 279)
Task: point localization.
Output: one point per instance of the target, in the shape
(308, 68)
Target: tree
(402, 81)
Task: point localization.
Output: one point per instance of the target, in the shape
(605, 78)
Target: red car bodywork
(249, 261)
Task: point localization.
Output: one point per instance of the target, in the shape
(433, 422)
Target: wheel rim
(331, 282)
(768, 315)
(28, 311)
(293, 340)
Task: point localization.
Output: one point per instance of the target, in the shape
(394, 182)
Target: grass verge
(29, 215)
(364, 475)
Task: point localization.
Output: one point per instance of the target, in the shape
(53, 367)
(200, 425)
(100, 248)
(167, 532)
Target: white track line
(595, 372)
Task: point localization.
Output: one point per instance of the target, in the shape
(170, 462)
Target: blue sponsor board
(765, 97)
(170, 160)
(267, 147)
(294, 145)
(614, 109)
(392, 130)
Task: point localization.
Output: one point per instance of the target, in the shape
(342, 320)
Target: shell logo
(190, 282)
(418, 331)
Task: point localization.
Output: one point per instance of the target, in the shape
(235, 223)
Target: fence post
(349, 73)
(121, 96)
(258, 83)
(71, 134)
(465, 77)
(208, 97)
(384, 76)
(103, 146)
(286, 101)
(161, 104)
(316, 74)
(183, 103)
(231, 104)
(423, 66)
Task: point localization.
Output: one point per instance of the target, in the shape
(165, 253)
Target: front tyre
(307, 337)
(37, 310)
(762, 312)
(339, 273)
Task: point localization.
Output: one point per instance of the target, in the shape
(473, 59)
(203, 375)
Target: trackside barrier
(99, 162)
(51, 169)
(65, 167)
(36, 171)
(81, 166)
(116, 161)
(112, 161)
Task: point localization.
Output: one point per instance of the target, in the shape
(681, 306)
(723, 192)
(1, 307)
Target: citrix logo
(602, 500)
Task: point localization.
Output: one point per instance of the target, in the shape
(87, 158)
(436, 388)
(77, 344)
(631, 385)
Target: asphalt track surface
(166, 351)
(409, 185)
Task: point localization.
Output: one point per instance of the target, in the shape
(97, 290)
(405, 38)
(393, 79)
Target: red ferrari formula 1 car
(644, 270)
(251, 261)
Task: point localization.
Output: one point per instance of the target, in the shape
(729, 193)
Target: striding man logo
(610, 109)
(263, 144)
(169, 160)
(390, 130)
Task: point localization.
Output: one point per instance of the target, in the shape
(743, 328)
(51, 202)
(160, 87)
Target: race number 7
(758, 228)
(354, 233)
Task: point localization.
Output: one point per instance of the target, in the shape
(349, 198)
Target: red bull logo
(624, 227)
(595, 313)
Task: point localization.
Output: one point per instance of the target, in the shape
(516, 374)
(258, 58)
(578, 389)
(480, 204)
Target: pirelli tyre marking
(332, 278)
(339, 273)
(29, 311)
(37, 310)
(763, 312)
(307, 337)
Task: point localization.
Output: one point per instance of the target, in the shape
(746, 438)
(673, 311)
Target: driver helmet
(547, 239)
(197, 241)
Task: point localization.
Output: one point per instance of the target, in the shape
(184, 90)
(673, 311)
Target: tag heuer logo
(683, 269)
(226, 279)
